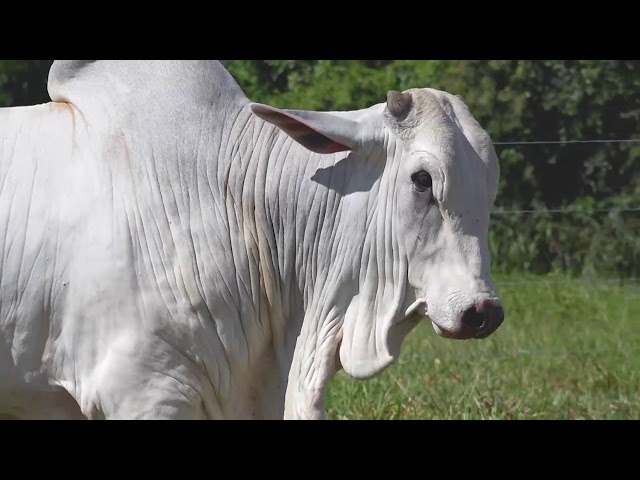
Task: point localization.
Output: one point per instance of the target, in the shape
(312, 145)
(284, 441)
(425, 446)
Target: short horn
(398, 103)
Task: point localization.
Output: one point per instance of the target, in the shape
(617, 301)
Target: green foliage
(515, 100)
(328, 84)
(581, 243)
(23, 82)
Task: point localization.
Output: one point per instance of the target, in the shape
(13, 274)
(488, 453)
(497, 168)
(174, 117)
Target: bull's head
(418, 230)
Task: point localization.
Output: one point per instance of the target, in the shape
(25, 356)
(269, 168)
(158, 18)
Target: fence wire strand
(632, 281)
(568, 142)
(565, 210)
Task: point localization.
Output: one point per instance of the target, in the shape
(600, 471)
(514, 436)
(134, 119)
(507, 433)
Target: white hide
(169, 249)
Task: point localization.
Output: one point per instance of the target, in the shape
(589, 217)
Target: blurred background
(565, 231)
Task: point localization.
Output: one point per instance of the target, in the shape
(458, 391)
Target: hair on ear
(319, 132)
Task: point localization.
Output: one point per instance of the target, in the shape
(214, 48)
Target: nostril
(474, 319)
(493, 310)
(484, 317)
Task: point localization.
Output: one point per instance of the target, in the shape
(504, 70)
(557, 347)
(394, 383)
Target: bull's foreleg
(314, 366)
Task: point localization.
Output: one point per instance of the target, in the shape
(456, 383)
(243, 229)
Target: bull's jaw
(419, 310)
(441, 332)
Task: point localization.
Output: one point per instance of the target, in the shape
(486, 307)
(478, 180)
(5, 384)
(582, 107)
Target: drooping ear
(320, 132)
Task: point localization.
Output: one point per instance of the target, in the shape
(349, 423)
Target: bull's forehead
(461, 151)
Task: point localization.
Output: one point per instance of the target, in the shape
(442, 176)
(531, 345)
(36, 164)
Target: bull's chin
(453, 335)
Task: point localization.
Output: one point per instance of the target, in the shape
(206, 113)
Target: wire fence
(621, 281)
(568, 214)
(564, 210)
(500, 211)
(569, 142)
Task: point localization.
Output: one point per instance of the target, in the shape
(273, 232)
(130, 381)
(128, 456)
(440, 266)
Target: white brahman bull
(171, 250)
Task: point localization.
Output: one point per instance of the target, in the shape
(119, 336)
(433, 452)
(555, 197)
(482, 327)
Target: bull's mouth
(474, 324)
(450, 334)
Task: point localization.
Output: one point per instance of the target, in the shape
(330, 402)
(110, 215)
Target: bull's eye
(421, 180)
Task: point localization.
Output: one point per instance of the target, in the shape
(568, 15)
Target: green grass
(567, 350)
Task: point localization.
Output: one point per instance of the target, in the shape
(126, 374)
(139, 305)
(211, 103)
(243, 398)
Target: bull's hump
(81, 81)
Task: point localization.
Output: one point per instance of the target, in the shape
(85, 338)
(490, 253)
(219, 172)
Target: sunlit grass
(567, 350)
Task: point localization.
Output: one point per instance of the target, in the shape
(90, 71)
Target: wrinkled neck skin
(289, 258)
(320, 225)
(308, 233)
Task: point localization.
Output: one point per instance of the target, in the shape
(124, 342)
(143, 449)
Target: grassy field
(567, 350)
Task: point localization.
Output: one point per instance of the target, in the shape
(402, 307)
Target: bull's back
(36, 144)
